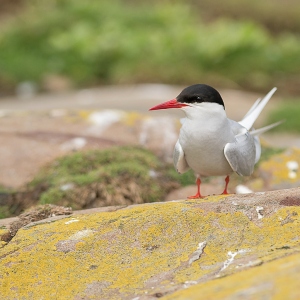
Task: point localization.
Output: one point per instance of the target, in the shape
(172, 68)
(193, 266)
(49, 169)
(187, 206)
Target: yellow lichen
(129, 251)
(277, 167)
(278, 280)
(131, 118)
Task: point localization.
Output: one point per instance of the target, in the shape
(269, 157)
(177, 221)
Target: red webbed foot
(198, 194)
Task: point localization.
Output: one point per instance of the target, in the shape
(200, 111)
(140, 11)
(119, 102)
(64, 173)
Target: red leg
(226, 185)
(198, 195)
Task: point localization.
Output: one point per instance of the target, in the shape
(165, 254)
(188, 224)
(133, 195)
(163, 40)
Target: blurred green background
(230, 44)
(252, 45)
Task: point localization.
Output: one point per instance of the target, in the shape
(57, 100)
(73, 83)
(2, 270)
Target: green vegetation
(120, 175)
(94, 42)
(288, 111)
(4, 212)
(276, 16)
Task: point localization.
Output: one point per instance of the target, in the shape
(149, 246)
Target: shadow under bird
(211, 144)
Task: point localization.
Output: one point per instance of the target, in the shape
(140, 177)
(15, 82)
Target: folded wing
(245, 151)
(241, 154)
(180, 163)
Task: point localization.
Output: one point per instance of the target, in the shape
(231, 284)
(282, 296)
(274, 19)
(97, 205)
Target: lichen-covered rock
(153, 250)
(278, 279)
(282, 170)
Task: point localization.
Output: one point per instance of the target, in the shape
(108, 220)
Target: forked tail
(255, 111)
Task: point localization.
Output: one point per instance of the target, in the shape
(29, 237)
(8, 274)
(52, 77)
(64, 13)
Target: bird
(209, 142)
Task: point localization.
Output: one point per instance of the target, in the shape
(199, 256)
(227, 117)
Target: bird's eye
(194, 99)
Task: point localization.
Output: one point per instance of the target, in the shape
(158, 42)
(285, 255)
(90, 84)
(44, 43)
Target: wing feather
(180, 163)
(241, 154)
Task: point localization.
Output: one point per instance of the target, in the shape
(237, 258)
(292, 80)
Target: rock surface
(221, 247)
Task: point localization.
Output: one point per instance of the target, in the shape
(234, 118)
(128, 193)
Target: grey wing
(241, 154)
(257, 148)
(180, 163)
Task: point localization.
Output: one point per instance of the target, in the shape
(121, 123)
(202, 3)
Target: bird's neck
(207, 124)
(208, 113)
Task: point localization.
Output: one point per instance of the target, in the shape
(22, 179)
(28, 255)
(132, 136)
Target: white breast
(203, 136)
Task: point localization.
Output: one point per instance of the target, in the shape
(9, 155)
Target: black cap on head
(199, 93)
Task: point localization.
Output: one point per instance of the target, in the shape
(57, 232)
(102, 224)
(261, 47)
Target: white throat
(204, 111)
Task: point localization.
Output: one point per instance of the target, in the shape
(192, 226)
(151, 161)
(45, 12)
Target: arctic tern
(211, 144)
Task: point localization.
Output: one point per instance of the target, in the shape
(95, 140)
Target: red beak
(169, 104)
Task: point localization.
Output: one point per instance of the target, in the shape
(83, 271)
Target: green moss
(52, 196)
(4, 212)
(119, 175)
(8, 203)
(83, 179)
(96, 164)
